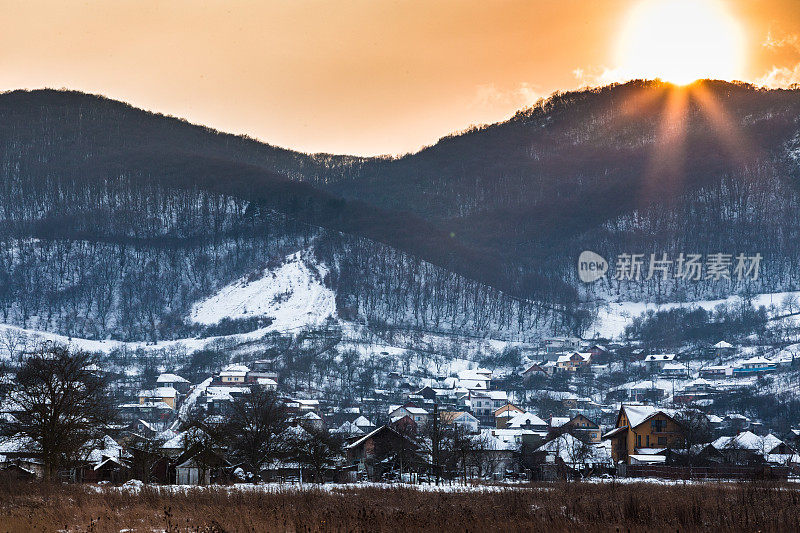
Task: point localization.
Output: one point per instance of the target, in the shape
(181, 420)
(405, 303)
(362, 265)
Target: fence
(705, 472)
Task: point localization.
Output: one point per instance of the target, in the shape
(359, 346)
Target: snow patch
(293, 295)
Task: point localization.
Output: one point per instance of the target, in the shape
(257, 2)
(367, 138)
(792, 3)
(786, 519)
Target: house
(754, 365)
(234, 374)
(189, 473)
(461, 419)
(266, 383)
(581, 426)
(598, 350)
(504, 414)
(749, 448)
(722, 349)
(480, 379)
(640, 428)
(371, 454)
(109, 461)
(311, 420)
(655, 362)
(262, 369)
(674, 370)
(482, 406)
(363, 423)
(553, 345)
(569, 452)
(716, 372)
(417, 414)
(173, 380)
(427, 393)
(646, 391)
(527, 420)
(536, 369)
(167, 395)
(573, 362)
(496, 450)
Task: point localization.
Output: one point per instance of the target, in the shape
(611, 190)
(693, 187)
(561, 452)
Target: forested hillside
(643, 167)
(114, 221)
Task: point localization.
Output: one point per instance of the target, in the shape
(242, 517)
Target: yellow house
(168, 395)
(640, 429)
(573, 362)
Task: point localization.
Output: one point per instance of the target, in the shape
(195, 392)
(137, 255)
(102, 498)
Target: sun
(681, 41)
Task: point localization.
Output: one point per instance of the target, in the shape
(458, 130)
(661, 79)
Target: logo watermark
(688, 267)
(591, 266)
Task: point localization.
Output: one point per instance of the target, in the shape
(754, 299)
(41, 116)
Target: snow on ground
(455, 486)
(293, 295)
(614, 316)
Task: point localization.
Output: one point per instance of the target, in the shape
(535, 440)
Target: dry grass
(560, 507)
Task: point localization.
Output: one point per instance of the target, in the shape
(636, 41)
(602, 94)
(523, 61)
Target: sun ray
(665, 173)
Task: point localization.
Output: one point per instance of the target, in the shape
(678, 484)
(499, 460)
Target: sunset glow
(681, 41)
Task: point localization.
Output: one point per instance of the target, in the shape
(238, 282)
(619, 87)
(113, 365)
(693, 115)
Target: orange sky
(345, 76)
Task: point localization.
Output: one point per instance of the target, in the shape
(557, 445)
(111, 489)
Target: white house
(655, 362)
(462, 419)
(417, 414)
(234, 374)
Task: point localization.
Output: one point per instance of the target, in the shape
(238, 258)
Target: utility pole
(435, 440)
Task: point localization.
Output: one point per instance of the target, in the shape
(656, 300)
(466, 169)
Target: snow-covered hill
(613, 317)
(293, 295)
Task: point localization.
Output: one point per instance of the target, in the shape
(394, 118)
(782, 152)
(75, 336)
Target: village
(540, 419)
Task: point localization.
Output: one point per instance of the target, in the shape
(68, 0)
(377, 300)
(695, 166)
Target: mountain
(117, 222)
(642, 167)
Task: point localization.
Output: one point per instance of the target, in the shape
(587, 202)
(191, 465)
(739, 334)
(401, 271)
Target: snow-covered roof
(159, 392)
(660, 357)
(526, 419)
(571, 450)
(585, 356)
(723, 345)
(171, 378)
(648, 458)
(410, 409)
(674, 366)
(480, 374)
(362, 421)
(758, 360)
(558, 421)
(235, 369)
(348, 428)
(311, 415)
(747, 440)
(638, 414)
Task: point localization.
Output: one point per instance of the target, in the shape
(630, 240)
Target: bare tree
(15, 342)
(60, 403)
(317, 450)
(695, 430)
(254, 427)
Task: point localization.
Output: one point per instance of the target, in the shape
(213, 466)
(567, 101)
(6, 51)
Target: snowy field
(613, 317)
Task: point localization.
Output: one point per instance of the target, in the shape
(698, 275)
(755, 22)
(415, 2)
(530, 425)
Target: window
(639, 441)
(662, 440)
(659, 425)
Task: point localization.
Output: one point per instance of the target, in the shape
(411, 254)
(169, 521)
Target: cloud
(781, 77)
(489, 96)
(598, 76)
(777, 40)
